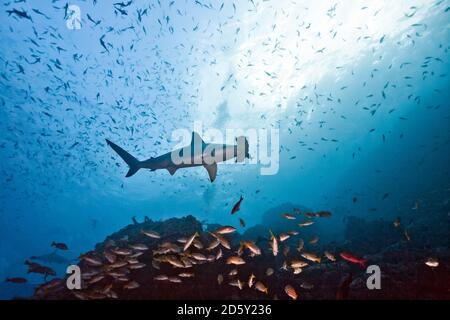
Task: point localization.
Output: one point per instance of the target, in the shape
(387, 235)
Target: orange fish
(237, 206)
(353, 259)
(225, 230)
(235, 260)
(290, 291)
(289, 216)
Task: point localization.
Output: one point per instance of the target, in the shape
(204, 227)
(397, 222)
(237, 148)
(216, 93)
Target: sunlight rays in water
(280, 48)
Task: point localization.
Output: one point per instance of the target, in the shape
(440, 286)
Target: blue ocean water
(358, 92)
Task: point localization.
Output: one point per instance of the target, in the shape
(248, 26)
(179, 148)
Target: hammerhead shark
(197, 153)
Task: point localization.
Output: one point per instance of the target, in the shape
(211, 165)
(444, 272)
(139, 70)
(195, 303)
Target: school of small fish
(72, 111)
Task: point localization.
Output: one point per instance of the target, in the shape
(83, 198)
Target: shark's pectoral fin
(172, 170)
(212, 171)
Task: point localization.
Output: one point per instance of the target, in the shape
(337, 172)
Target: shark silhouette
(197, 153)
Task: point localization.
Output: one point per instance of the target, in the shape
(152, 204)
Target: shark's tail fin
(131, 161)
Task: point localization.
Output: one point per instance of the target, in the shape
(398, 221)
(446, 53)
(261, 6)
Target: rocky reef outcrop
(404, 272)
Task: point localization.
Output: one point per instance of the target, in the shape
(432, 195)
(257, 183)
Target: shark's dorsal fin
(172, 170)
(212, 170)
(196, 138)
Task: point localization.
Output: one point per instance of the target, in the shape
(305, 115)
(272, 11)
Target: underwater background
(359, 91)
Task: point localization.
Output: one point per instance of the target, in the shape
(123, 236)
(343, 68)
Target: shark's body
(198, 153)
